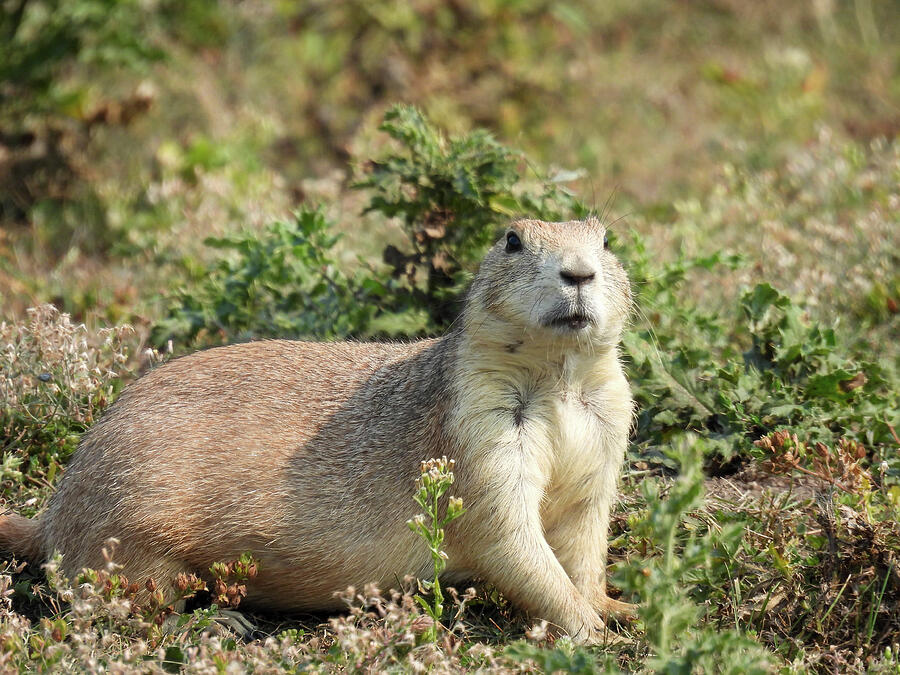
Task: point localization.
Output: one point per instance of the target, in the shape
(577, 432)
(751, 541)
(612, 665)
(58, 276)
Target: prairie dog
(306, 454)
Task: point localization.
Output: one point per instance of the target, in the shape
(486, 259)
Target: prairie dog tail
(21, 537)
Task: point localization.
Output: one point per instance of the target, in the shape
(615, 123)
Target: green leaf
(761, 298)
(174, 659)
(828, 385)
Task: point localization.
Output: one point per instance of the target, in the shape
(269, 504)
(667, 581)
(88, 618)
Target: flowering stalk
(436, 479)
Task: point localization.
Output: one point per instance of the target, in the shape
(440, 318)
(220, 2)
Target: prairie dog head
(557, 281)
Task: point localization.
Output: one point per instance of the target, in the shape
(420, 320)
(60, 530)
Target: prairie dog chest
(557, 424)
(573, 432)
(578, 430)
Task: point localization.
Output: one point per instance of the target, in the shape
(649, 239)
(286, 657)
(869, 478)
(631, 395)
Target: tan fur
(306, 453)
(20, 535)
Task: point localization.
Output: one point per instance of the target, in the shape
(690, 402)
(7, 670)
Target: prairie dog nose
(573, 277)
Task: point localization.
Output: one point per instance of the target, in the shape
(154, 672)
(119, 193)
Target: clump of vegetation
(281, 282)
(693, 564)
(445, 192)
(94, 622)
(740, 380)
(839, 465)
(230, 580)
(452, 195)
(826, 567)
(55, 379)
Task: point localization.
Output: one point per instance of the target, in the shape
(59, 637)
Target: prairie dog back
(266, 447)
(306, 453)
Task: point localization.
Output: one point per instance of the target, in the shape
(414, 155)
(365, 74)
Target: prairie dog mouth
(574, 321)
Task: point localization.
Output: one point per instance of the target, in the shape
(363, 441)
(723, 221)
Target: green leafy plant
(691, 563)
(452, 196)
(436, 479)
(282, 282)
(737, 380)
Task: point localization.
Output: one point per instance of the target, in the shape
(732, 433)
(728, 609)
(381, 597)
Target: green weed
(693, 560)
(436, 479)
(738, 378)
(452, 196)
(282, 282)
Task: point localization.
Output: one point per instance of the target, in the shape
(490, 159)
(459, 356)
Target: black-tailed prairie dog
(306, 453)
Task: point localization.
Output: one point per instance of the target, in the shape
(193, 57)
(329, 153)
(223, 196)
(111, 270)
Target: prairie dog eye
(513, 243)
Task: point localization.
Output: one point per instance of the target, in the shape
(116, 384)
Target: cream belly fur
(306, 454)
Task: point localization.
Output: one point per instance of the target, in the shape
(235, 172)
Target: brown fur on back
(213, 442)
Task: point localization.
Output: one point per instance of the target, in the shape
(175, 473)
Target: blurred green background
(131, 130)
